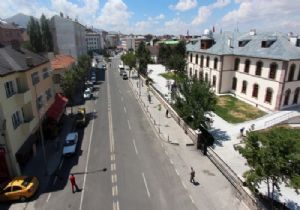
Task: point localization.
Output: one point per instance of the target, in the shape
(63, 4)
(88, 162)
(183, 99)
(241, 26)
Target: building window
(191, 57)
(9, 88)
(298, 74)
(39, 102)
(206, 77)
(48, 94)
(255, 91)
(191, 72)
(201, 75)
(296, 95)
(16, 119)
(269, 95)
(207, 61)
(287, 97)
(197, 59)
(292, 72)
(35, 78)
(259, 66)
(195, 75)
(215, 63)
(201, 61)
(273, 69)
(214, 81)
(236, 64)
(234, 82)
(244, 87)
(45, 73)
(247, 66)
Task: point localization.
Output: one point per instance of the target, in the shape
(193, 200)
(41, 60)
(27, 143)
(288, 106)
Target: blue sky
(168, 16)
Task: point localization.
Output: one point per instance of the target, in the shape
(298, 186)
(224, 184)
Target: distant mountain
(19, 19)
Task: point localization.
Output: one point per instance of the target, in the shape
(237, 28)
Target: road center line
(87, 163)
(145, 182)
(129, 126)
(125, 109)
(48, 198)
(135, 148)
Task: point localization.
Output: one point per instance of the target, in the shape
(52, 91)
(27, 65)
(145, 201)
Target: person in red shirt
(73, 184)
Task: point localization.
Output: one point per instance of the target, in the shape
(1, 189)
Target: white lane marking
(171, 161)
(135, 148)
(145, 182)
(129, 126)
(115, 191)
(48, 197)
(183, 185)
(96, 102)
(176, 172)
(86, 165)
(114, 178)
(112, 157)
(192, 199)
(125, 110)
(116, 205)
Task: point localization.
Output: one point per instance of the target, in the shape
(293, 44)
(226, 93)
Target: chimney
(16, 45)
(229, 43)
(252, 32)
(29, 61)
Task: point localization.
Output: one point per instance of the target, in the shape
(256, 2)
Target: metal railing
(280, 119)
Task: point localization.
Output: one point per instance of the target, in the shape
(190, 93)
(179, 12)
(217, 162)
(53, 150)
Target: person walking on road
(167, 113)
(73, 184)
(192, 179)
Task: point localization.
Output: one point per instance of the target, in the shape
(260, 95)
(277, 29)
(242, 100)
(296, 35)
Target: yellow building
(26, 93)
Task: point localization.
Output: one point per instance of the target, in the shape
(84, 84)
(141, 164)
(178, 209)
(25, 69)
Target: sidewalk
(213, 193)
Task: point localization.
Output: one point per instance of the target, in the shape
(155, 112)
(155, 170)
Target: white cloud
(220, 3)
(203, 13)
(175, 26)
(184, 5)
(150, 25)
(114, 16)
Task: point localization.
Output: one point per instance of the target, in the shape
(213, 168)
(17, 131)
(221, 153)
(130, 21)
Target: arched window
(296, 95)
(201, 61)
(259, 66)
(247, 66)
(207, 61)
(287, 97)
(215, 63)
(191, 58)
(255, 91)
(196, 73)
(234, 82)
(197, 59)
(269, 95)
(201, 75)
(191, 72)
(244, 87)
(214, 81)
(292, 72)
(236, 64)
(273, 69)
(206, 77)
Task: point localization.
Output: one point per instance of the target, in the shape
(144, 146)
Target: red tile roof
(62, 62)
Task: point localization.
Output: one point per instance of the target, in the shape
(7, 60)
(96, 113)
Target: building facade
(68, 36)
(131, 42)
(93, 41)
(9, 33)
(261, 69)
(26, 94)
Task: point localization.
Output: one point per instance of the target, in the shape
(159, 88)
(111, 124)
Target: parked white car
(70, 143)
(87, 93)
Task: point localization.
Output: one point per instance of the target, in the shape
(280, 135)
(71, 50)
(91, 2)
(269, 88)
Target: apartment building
(131, 42)
(262, 69)
(68, 36)
(113, 39)
(9, 33)
(93, 41)
(26, 94)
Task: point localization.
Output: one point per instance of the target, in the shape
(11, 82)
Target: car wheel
(22, 198)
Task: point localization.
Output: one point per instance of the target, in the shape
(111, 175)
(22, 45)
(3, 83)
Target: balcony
(23, 97)
(29, 124)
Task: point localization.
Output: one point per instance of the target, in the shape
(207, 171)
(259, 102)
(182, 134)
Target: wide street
(120, 163)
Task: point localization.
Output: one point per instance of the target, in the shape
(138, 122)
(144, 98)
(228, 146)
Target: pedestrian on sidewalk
(192, 179)
(73, 184)
(167, 113)
(149, 98)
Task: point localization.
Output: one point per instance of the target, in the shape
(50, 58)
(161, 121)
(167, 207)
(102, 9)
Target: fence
(280, 118)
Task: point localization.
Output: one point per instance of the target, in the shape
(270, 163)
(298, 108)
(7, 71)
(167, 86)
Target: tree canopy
(143, 57)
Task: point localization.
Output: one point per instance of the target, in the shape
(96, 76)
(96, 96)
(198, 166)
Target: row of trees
(74, 78)
(39, 35)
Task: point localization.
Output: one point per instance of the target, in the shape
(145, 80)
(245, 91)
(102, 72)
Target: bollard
(168, 138)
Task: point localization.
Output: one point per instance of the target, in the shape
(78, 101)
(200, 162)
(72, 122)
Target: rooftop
(62, 62)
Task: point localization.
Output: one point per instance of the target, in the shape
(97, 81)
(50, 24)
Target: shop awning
(57, 108)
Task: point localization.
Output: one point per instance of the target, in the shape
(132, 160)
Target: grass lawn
(234, 110)
(172, 75)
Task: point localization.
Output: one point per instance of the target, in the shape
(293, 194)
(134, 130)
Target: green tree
(129, 59)
(196, 98)
(46, 34)
(35, 35)
(273, 157)
(68, 84)
(164, 53)
(176, 62)
(143, 57)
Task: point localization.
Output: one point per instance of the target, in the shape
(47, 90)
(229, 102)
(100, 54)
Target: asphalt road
(120, 163)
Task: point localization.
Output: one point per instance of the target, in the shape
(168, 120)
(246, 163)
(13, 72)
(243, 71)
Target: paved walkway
(175, 142)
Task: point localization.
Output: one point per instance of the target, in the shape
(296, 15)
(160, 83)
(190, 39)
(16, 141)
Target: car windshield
(87, 92)
(69, 143)
(27, 181)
